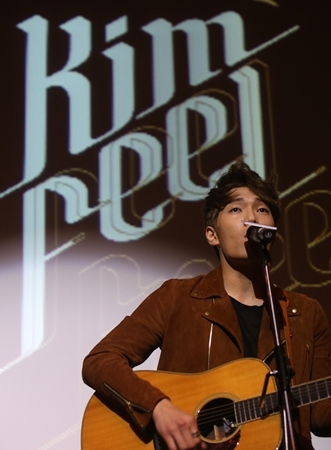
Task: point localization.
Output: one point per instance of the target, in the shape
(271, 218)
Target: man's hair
(240, 175)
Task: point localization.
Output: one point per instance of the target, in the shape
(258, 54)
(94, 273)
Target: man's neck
(245, 284)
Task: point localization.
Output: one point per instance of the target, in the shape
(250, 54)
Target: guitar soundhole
(217, 423)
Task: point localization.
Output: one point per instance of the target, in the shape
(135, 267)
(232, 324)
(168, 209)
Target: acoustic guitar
(225, 401)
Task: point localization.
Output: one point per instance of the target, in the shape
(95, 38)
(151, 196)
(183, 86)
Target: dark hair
(240, 175)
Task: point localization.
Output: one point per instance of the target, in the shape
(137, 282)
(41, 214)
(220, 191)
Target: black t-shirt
(249, 318)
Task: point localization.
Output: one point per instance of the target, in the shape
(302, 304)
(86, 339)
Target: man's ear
(211, 236)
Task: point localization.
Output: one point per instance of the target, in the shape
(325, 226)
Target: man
(207, 321)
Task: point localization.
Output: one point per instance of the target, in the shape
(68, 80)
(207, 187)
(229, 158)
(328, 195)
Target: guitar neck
(303, 394)
(312, 392)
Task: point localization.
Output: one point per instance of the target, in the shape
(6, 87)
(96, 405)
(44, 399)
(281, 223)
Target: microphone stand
(284, 371)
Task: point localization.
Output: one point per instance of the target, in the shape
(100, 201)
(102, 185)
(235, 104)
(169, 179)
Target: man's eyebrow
(241, 199)
(236, 199)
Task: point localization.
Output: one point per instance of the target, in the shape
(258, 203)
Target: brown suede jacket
(195, 325)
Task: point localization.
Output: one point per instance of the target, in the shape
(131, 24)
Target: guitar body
(107, 429)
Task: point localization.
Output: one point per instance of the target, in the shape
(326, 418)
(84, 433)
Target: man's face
(229, 234)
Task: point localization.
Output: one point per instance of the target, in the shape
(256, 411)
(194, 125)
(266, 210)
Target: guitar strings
(249, 409)
(244, 410)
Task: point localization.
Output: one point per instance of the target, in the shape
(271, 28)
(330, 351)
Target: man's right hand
(177, 428)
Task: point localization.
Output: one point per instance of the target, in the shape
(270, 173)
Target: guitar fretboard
(312, 392)
(303, 394)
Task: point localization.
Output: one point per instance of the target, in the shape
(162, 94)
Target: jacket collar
(210, 285)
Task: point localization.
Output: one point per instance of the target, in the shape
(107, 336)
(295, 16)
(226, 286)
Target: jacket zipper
(127, 402)
(210, 340)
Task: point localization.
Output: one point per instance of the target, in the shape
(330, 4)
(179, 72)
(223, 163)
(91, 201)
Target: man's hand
(177, 428)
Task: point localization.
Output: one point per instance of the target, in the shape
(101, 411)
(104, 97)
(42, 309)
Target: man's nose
(251, 217)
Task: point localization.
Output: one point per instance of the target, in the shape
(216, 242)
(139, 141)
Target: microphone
(260, 234)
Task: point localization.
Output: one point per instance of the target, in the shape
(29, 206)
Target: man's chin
(255, 248)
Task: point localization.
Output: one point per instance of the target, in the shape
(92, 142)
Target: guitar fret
(238, 412)
(312, 392)
(271, 404)
(256, 407)
(254, 414)
(328, 387)
(268, 405)
(322, 389)
(264, 409)
(306, 394)
(242, 411)
(249, 409)
(328, 384)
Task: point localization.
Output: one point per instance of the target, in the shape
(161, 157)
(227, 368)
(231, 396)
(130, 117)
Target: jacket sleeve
(108, 367)
(321, 368)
